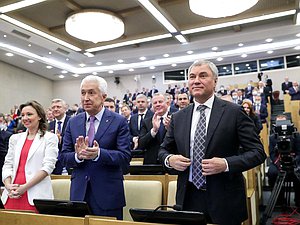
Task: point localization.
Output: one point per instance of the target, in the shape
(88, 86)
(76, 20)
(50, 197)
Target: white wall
(69, 90)
(18, 86)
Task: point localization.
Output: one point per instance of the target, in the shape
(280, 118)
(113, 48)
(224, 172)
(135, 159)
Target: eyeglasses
(182, 99)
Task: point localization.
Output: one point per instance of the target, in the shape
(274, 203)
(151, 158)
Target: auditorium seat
(144, 194)
(61, 189)
(171, 199)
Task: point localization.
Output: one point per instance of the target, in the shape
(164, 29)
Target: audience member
(294, 91)
(96, 144)
(183, 100)
(110, 104)
(58, 126)
(4, 138)
(286, 85)
(247, 106)
(30, 160)
(136, 120)
(126, 112)
(202, 144)
(260, 109)
(154, 128)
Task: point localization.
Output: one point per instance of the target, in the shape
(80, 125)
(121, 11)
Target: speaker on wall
(117, 80)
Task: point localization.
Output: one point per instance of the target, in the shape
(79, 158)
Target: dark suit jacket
(58, 166)
(105, 175)
(295, 95)
(229, 128)
(285, 86)
(149, 143)
(4, 139)
(263, 113)
(133, 125)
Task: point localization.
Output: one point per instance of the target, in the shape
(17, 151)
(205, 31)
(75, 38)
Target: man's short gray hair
(210, 64)
(102, 84)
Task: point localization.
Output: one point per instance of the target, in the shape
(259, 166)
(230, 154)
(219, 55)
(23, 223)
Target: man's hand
(213, 166)
(167, 121)
(179, 162)
(155, 122)
(82, 149)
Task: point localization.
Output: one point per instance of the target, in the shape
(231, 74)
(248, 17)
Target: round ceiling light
(95, 25)
(220, 8)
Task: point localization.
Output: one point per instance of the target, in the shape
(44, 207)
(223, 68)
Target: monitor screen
(62, 208)
(168, 217)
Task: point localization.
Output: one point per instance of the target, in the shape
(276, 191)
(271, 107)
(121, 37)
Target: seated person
(278, 163)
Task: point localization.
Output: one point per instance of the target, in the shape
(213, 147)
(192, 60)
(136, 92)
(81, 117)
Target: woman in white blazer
(30, 160)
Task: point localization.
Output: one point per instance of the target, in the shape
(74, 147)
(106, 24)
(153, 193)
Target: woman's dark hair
(43, 125)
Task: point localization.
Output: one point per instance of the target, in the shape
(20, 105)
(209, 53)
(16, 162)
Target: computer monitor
(62, 208)
(151, 169)
(167, 216)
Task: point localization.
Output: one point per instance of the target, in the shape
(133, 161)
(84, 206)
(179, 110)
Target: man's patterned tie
(198, 149)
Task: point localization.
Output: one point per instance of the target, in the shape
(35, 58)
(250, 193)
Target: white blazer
(42, 155)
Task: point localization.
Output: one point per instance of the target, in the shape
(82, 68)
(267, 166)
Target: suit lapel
(35, 145)
(215, 117)
(187, 128)
(80, 124)
(104, 124)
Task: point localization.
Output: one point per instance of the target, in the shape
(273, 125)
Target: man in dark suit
(260, 109)
(154, 129)
(4, 139)
(286, 85)
(96, 145)
(202, 145)
(136, 120)
(294, 91)
(58, 126)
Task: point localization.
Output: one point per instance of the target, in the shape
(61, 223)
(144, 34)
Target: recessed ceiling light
(298, 35)
(94, 73)
(237, 68)
(120, 60)
(152, 67)
(247, 64)
(240, 44)
(214, 48)
(131, 70)
(298, 57)
(4, 35)
(189, 52)
(67, 59)
(270, 52)
(111, 71)
(297, 47)
(29, 45)
(224, 67)
(82, 65)
(61, 76)
(269, 40)
(49, 67)
(64, 71)
(219, 59)
(143, 58)
(99, 63)
(75, 75)
(166, 55)
(174, 64)
(30, 61)
(244, 55)
(9, 54)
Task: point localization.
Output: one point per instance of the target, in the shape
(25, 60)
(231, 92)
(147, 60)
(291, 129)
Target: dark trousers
(198, 201)
(97, 210)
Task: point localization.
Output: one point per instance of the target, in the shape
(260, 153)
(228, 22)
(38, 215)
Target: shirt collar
(98, 115)
(62, 119)
(209, 103)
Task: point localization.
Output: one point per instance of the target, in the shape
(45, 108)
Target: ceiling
(48, 17)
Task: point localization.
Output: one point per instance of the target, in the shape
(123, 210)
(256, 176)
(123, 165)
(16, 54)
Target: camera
(285, 134)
